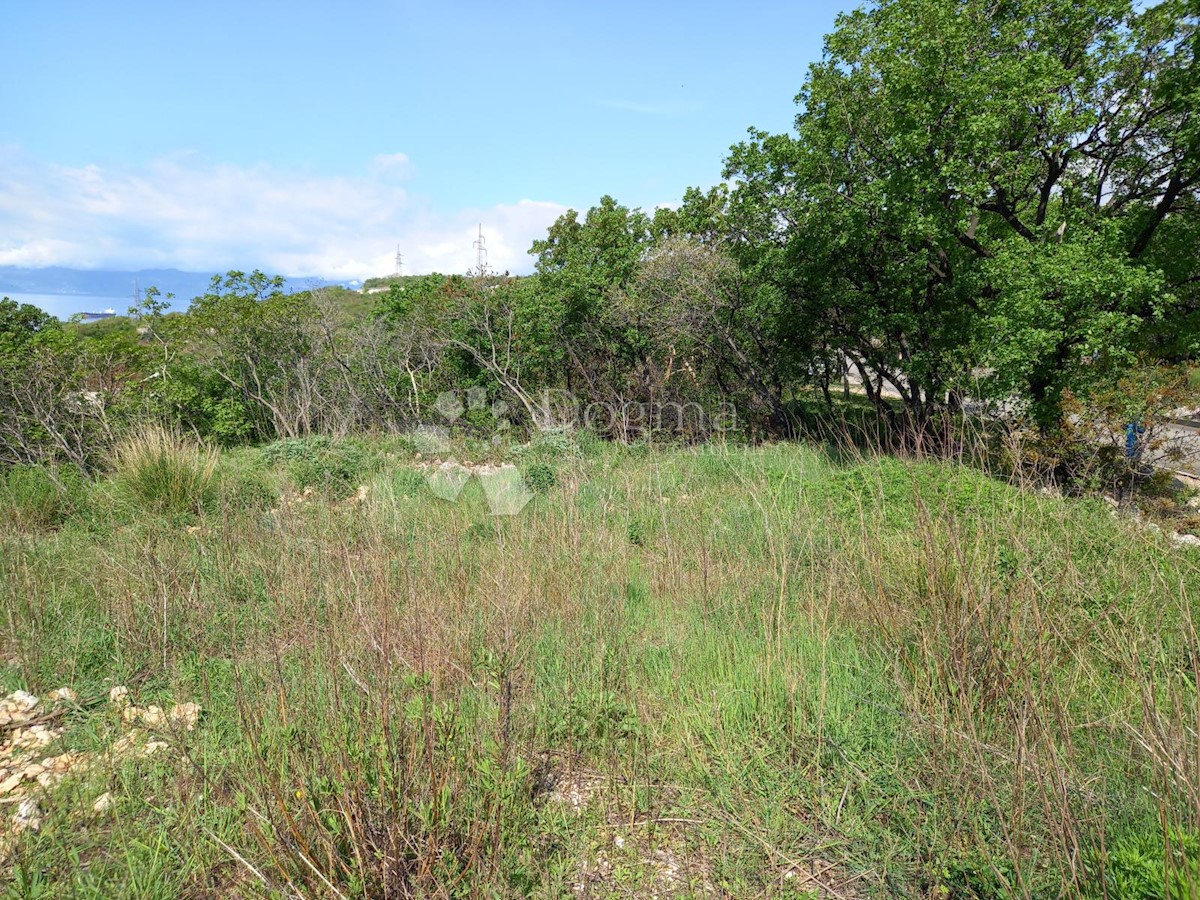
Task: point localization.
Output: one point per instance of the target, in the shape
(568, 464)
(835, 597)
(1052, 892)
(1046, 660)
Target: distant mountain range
(116, 284)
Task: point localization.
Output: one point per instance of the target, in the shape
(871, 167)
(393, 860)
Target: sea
(63, 306)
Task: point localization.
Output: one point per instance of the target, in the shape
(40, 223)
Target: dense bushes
(335, 467)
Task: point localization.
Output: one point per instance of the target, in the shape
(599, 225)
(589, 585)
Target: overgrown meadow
(290, 667)
(780, 671)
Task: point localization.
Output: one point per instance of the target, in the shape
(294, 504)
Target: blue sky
(310, 139)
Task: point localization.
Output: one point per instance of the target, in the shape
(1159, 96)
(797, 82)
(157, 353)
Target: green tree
(959, 172)
(20, 323)
(581, 265)
(64, 395)
(261, 344)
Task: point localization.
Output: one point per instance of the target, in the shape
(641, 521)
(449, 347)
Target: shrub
(245, 481)
(890, 489)
(334, 467)
(636, 532)
(203, 403)
(550, 444)
(427, 442)
(245, 489)
(166, 473)
(295, 449)
(398, 444)
(540, 478)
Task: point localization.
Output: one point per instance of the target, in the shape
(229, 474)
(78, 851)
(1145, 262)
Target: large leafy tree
(582, 264)
(263, 345)
(712, 333)
(20, 323)
(981, 187)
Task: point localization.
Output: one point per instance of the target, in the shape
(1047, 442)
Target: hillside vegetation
(723, 671)
(659, 631)
(980, 206)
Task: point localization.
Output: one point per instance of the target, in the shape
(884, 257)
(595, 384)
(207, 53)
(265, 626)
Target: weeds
(766, 672)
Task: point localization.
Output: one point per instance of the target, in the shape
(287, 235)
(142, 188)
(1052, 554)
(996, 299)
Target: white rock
(103, 803)
(34, 737)
(119, 695)
(62, 693)
(1186, 540)
(28, 816)
(125, 744)
(17, 707)
(153, 716)
(184, 715)
(22, 699)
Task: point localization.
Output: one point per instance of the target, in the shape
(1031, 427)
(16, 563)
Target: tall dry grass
(164, 471)
(935, 682)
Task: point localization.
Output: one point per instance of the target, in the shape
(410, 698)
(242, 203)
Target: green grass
(709, 672)
(36, 498)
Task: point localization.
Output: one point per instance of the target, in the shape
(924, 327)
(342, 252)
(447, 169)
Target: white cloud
(398, 165)
(185, 212)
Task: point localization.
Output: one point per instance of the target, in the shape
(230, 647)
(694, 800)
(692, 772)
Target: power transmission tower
(399, 261)
(480, 246)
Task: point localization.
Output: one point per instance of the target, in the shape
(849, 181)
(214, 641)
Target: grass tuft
(164, 472)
